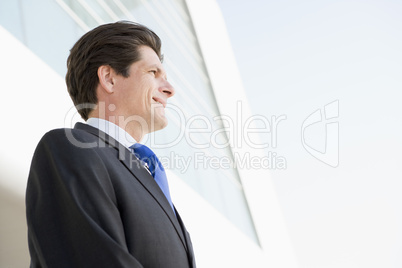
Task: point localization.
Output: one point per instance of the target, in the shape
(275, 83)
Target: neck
(134, 127)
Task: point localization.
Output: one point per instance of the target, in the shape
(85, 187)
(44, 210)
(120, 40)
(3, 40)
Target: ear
(106, 78)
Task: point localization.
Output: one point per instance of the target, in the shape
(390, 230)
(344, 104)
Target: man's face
(145, 92)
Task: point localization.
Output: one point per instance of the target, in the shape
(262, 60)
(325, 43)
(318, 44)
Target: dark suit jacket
(90, 203)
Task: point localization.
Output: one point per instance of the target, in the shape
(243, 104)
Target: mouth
(160, 101)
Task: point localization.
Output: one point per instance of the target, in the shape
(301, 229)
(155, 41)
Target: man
(90, 201)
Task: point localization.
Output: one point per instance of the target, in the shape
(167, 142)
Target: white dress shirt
(113, 131)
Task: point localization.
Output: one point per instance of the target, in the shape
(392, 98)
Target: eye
(153, 72)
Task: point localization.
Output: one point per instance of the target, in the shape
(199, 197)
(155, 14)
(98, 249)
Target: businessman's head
(119, 64)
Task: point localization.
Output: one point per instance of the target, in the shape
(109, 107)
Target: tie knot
(142, 150)
(146, 155)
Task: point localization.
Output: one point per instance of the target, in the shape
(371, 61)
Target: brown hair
(114, 44)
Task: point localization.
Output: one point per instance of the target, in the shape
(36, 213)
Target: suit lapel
(140, 173)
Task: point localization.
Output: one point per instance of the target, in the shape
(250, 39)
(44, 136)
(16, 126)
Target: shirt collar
(113, 131)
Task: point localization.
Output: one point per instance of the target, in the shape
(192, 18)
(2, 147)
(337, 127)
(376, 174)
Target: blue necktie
(146, 155)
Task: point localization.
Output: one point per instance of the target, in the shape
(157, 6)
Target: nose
(167, 89)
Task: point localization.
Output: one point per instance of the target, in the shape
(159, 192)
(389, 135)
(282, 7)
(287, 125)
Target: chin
(161, 123)
(165, 123)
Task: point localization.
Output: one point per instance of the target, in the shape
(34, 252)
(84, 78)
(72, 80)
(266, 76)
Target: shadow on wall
(13, 230)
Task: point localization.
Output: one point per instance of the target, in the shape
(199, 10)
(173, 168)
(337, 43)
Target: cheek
(138, 94)
(144, 97)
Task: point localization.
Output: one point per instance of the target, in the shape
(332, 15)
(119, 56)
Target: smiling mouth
(160, 102)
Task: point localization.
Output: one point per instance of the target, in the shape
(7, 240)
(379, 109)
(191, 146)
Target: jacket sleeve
(72, 213)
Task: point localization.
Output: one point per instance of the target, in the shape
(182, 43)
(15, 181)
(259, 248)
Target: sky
(333, 70)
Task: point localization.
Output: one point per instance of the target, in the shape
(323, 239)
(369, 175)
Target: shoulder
(69, 154)
(68, 161)
(73, 138)
(71, 135)
(66, 143)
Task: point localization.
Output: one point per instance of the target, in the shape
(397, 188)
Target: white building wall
(32, 104)
(232, 102)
